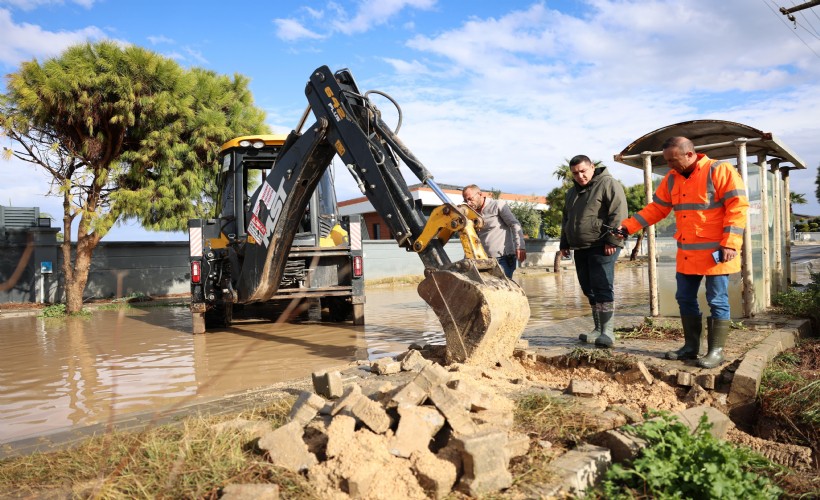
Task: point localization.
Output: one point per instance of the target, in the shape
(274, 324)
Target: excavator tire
(483, 315)
(219, 316)
(339, 308)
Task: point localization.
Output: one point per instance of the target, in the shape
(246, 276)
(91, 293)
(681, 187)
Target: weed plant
(790, 392)
(678, 463)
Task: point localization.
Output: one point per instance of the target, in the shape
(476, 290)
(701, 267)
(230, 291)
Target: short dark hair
(682, 143)
(578, 159)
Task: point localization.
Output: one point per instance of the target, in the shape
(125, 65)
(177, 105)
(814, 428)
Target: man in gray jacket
(596, 199)
(501, 236)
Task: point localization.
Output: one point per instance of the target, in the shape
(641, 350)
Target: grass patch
(59, 311)
(411, 279)
(789, 395)
(652, 329)
(192, 459)
(590, 355)
(552, 425)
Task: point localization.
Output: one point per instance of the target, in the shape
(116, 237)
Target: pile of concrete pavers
(437, 431)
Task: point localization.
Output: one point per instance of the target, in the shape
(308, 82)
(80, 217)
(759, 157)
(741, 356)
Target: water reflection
(58, 373)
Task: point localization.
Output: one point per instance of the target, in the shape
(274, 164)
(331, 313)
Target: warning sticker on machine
(257, 230)
(265, 196)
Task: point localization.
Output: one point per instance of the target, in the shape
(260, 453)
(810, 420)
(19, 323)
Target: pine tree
(124, 132)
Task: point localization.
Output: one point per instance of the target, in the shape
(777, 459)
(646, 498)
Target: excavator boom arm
(483, 313)
(347, 126)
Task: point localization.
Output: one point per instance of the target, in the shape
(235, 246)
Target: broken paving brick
(485, 469)
(328, 384)
(286, 448)
(583, 388)
(306, 407)
(385, 366)
(417, 426)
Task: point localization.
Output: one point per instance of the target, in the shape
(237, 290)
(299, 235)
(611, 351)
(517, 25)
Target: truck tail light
(196, 271)
(358, 266)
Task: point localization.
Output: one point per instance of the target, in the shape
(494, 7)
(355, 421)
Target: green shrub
(803, 303)
(678, 463)
(53, 311)
(58, 311)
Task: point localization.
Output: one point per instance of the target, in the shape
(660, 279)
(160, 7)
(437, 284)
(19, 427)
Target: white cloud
(291, 30)
(20, 42)
(160, 39)
(33, 4)
(367, 15)
(407, 67)
(195, 55)
(520, 93)
(371, 13)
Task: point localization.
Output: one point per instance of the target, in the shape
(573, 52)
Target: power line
(777, 14)
(815, 33)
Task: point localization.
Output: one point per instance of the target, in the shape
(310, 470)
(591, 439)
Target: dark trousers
(507, 263)
(596, 273)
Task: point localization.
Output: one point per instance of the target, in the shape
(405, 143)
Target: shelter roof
(713, 137)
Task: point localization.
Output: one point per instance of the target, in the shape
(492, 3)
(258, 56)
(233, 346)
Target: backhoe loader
(240, 258)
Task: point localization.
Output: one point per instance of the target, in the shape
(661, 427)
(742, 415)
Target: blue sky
(496, 93)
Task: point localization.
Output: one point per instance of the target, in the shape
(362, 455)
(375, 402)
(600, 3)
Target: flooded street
(57, 373)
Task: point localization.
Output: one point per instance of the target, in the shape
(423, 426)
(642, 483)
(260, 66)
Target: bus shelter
(764, 163)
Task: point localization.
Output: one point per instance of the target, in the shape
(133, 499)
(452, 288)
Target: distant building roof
(19, 217)
(428, 198)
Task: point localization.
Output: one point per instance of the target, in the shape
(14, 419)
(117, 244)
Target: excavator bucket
(483, 313)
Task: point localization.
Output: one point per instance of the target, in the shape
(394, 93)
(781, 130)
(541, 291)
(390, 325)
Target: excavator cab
(318, 266)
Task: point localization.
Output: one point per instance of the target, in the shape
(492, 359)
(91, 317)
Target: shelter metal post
(787, 209)
(746, 254)
(654, 307)
(764, 214)
(778, 227)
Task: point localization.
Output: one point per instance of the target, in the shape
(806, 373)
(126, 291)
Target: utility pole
(788, 12)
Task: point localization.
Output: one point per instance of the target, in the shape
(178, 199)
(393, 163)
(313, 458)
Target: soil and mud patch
(197, 458)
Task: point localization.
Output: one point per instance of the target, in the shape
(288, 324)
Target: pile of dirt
(402, 429)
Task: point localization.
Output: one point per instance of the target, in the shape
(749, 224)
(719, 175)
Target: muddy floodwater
(61, 372)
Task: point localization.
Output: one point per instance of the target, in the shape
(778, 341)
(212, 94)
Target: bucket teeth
(482, 321)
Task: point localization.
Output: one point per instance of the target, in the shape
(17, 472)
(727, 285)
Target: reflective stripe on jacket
(710, 212)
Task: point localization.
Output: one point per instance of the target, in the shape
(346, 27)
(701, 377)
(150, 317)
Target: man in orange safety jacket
(710, 203)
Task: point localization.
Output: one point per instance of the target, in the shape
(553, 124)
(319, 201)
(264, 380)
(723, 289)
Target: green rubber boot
(692, 331)
(590, 337)
(716, 337)
(606, 315)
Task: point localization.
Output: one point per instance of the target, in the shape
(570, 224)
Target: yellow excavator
(240, 256)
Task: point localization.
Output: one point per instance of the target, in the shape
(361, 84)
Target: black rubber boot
(716, 337)
(606, 315)
(692, 331)
(590, 337)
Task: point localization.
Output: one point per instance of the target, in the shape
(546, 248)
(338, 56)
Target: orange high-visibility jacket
(710, 212)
